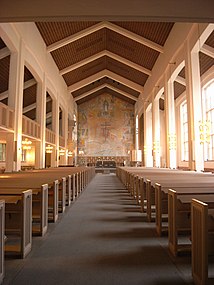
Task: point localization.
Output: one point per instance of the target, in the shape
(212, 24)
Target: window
(2, 151)
(208, 118)
(184, 132)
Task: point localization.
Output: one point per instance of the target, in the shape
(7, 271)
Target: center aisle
(102, 239)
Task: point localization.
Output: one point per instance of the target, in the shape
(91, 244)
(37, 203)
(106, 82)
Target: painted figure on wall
(109, 125)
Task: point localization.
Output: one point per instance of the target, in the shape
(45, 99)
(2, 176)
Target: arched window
(208, 118)
(184, 131)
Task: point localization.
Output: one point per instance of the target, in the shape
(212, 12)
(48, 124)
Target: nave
(103, 238)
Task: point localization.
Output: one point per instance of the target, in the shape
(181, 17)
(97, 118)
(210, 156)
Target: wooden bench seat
(161, 200)
(179, 218)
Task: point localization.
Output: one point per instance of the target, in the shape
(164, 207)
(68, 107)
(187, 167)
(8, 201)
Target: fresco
(105, 126)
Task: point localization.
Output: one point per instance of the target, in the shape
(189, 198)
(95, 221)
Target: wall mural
(105, 126)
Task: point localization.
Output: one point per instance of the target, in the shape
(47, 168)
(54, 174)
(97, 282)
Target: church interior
(106, 118)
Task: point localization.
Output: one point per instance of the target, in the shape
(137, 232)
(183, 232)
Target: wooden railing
(30, 127)
(50, 136)
(6, 117)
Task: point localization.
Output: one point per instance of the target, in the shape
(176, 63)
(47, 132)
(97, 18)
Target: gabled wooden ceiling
(95, 56)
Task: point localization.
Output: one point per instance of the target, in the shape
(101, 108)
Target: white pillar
(55, 113)
(41, 119)
(15, 100)
(148, 136)
(194, 105)
(9, 152)
(66, 136)
(156, 131)
(170, 117)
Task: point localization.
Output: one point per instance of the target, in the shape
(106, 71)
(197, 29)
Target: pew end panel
(142, 194)
(53, 198)
(73, 187)
(18, 224)
(161, 208)
(2, 238)
(202, 226)
(68, 190)
(62, 195)
(40, 211)
(150, 200)
(179, 222)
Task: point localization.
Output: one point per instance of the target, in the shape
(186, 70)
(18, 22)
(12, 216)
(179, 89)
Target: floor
(101, 239)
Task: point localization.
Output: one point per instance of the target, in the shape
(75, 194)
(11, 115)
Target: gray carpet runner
(101, 239)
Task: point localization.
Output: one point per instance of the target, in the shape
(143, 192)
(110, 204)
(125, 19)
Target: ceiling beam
(3, 95)
(208, 50)
(109, 26)
(34, 105)
(105, 73)
(134, 37)
(4, 52)
(180, 80)
(121, 92)
(27, 84)
(109, 54)
(29, 108)
(101, 87)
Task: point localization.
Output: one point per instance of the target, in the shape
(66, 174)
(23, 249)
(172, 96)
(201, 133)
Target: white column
(15, 100)
(66, 136)
(55, 121)
(9, 152)
(136, 133)
(41, 119)
(170, 117)
(156, 131)
(148, 136)
(194, 105)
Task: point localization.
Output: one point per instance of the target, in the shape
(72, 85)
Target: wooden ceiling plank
(4, 52)
(109, 54)
(208, 50)
(105, 73)
(110, 26)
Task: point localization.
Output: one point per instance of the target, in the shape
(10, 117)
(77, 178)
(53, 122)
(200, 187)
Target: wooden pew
(176, 179)
(80, 177)
(23, 181)
(39, 206)
(18, 223)
(179, 217)
(202, 229)
(161, 199)
(2, 239)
